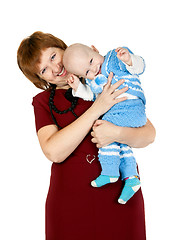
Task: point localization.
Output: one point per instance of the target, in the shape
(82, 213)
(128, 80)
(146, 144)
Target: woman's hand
(108, 97)
(105, 133)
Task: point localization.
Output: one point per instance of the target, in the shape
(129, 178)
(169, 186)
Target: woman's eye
(91, 61)
(53, 56)
(43, 71)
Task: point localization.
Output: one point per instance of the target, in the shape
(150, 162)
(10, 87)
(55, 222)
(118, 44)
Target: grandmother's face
(51, 68)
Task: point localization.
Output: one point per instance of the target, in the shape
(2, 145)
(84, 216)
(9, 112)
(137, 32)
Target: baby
(86, 62)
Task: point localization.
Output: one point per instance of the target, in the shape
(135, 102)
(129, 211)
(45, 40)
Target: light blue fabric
(118, 158)
(113, 64)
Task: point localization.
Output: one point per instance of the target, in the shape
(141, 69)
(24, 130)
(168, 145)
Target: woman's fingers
(113, 89)
(119, 92)
(97, 123)
(92, 134)
(109, 80)
(117, 100)
(116, 85)
(94, 140)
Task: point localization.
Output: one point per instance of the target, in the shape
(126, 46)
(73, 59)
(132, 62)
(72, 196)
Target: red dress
(74, 209)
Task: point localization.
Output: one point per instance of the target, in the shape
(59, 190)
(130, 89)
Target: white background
(146, 27)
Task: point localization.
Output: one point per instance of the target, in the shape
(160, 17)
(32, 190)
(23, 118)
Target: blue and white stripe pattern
(113, 64)
(118, 158)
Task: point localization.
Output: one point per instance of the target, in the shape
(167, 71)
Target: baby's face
(83, 61)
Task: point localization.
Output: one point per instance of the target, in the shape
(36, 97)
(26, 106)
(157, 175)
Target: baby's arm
(80, 90)
(134, 64)
(73, 82)
(138, 65)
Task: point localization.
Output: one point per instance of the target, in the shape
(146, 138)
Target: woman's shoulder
(40, 98)
(42, 95)
(41, 109)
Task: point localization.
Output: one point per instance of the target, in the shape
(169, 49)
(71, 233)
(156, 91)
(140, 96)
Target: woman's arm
(58, 145)
(105, 133)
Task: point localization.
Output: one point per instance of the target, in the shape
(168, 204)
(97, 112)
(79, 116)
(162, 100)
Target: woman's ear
(94, 48)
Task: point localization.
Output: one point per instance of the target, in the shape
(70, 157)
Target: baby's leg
(128, 169)
(128, 165)
(109, 158)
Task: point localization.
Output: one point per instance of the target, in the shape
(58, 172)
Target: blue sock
(103, 180)
(132, 185)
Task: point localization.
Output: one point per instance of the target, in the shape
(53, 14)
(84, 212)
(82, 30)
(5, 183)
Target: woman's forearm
(58, 145)
(137, 137)
(105, 133)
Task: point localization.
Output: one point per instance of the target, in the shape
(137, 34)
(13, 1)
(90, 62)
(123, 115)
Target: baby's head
(83, 61)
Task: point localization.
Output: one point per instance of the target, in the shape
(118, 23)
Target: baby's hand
(73, 82)
(124, 55)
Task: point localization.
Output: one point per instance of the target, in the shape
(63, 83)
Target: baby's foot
(103, 180)
(132, 185)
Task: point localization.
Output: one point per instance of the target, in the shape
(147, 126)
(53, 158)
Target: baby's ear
(94, 48)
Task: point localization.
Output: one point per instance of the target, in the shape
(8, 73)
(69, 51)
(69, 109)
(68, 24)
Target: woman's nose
(56, 68)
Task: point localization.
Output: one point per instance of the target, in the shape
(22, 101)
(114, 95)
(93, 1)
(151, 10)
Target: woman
(75, 210)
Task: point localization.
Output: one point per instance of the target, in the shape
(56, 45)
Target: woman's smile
(62, 72)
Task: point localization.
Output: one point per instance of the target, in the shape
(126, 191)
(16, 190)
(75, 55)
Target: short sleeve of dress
(41, 110)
